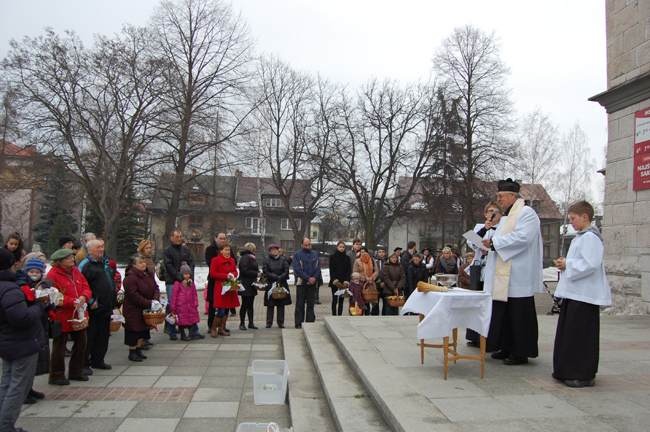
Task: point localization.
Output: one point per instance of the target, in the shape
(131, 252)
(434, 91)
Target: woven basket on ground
(395, 301)
(356, 311)
(115, 326)
(153, 319)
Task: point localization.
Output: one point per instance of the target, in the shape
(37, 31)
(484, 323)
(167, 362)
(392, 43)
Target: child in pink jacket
(185, 306)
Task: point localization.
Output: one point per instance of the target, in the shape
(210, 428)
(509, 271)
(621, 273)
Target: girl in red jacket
(223, 269)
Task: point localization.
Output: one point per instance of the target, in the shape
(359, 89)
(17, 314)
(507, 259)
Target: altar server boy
(583, 289)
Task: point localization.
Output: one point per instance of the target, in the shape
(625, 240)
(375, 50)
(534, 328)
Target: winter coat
(139, 290)
(248, 272)
(21, 329)
(276, 270)
(220, 266)
(415, 274)
(340, 268)
(174, 257)
(305, 265)
(358, 268)
(100, 280)
(27, 287)
(72, 284)
(405, 260)
(446, 267)
(394, 278)
(185, 304)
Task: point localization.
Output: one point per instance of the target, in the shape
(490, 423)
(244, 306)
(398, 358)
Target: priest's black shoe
(500, 355)
(252, 326)
(133, 356)
(36, 394)
(473, 344)
(512, 361)
(242, 327)
(579, 383)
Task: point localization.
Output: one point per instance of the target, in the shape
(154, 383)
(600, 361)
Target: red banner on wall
(641, 150)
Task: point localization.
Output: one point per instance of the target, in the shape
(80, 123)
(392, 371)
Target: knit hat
(6, 259)
(34, 264)
(185, 269)
(274, 246)
(61, 254)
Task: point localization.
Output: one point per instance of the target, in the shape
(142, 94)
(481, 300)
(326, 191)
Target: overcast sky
(555, 49)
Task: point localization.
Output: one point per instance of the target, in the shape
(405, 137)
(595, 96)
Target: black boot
(138, 352)
(133, 356)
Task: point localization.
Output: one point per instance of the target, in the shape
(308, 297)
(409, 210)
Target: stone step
(401, 389)
(352, 408)
(307, 403)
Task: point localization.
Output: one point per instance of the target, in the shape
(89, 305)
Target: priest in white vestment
(513, 274)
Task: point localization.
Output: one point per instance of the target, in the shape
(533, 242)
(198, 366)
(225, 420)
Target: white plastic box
(270, 381)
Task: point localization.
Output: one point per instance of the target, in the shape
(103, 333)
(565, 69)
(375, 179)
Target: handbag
(475, 283)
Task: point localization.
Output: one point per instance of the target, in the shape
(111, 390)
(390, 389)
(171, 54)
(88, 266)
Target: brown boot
(222, 325)
(216, 322)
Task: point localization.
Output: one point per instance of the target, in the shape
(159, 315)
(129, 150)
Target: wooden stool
(450, 351)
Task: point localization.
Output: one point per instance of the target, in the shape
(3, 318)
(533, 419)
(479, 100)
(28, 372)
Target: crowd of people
(82, 295)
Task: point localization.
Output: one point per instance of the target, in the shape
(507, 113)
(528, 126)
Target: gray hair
(250, 247)
(92, 244)
(89, 236)
(446, 249)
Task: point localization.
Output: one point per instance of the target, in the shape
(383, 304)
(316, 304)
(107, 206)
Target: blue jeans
(17, 378)
(170, 329)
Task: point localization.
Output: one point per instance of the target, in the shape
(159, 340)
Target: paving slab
(148, 425)
(149, 409)
(93, 409)
(211, 410)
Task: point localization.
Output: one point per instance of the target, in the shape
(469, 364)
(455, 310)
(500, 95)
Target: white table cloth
(445, 311)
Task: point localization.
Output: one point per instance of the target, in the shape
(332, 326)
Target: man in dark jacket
(416, 272)
(99, 275)
(380, 262)
(306, 269)
(175, 255)
(21, 339)
(406, 256)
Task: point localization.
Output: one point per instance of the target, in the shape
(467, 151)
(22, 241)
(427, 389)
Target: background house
(230, 204)
(434, 219)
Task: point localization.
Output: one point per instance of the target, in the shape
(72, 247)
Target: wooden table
(450, 351)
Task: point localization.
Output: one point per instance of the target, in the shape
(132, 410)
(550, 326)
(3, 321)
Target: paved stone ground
(183, 386)
(510, 398)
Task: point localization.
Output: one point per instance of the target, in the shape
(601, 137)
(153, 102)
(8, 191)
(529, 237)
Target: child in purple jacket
(185, 306)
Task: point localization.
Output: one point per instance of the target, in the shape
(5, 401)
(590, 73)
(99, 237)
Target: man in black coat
(21, 339)
(100, 307)
(175, 255)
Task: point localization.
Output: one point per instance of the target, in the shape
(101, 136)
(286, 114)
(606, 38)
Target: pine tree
(56, 218)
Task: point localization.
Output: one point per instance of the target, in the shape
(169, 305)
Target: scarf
(503, 268)
(366, 264)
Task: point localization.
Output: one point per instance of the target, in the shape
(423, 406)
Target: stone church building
(626, 220)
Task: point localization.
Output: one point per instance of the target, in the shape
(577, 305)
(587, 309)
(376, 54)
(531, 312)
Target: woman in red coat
(71, 283)
(140, 289)
(222, 269)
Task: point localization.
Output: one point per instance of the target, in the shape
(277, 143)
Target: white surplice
(524, 247)
(584, 278)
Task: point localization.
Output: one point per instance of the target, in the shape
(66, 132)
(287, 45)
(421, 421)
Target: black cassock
(513, 327)
(575, 355)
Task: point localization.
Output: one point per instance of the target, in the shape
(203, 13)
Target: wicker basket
(395, 301)
(279, 294)
(356, 311)
(153, 319)
(78, 325)
(115, 326)
(370, 293)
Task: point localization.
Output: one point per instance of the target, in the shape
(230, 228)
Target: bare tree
(470, 65)
(206, 50)
(93, 109)
(378, 139)
(576, 168)
(296, 129)
(538, 148)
